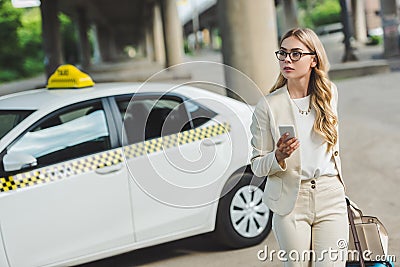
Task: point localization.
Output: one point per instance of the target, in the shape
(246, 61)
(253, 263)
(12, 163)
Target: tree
(11, 59)
(69, 39)
(30, 39)
(319, 12)
(326, 13)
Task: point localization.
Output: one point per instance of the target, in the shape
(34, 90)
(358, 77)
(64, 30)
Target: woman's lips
(288, 69)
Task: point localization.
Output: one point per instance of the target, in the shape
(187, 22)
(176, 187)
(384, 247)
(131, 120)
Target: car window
(145, 119)
(11, 118)
(72, 133)
(198, 113)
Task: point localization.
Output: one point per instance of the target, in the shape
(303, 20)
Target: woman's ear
(314, 62)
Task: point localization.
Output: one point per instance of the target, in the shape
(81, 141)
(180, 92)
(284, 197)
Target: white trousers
(316, 232)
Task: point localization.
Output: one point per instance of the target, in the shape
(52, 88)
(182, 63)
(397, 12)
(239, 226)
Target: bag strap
(357, 244)
(355, 208)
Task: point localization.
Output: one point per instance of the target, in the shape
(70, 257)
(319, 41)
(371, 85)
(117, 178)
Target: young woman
(304, 187)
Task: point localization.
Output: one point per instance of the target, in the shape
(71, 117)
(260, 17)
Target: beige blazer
(282, 187)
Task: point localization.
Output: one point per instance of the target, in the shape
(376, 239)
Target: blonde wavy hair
(319, 85)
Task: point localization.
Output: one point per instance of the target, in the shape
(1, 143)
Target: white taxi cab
(90, 171)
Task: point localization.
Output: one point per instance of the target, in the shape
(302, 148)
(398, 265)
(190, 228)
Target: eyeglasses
(294, 55)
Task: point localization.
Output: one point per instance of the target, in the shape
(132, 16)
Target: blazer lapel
(282, 113)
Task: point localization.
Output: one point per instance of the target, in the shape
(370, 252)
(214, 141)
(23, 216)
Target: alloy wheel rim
(248, 213)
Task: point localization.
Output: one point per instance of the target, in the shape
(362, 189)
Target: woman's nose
(287, 58)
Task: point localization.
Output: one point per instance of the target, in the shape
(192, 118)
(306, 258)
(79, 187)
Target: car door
(75, 202)
(176, 163)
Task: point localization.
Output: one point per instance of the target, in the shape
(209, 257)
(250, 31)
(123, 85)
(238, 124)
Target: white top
(315, 160)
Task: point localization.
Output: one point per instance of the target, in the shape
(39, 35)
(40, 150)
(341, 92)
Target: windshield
(10, 118)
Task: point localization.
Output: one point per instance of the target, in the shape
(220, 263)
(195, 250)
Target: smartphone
(287, 129)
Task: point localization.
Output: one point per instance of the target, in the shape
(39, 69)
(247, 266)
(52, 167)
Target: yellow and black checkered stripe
(108, 158)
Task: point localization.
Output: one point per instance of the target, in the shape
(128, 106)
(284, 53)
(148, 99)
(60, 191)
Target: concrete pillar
(212, 37)
(108, 49)
(96, 48)
(360, 24)
(114, 49)
(141, 48)
(347, 30)
(249, 47)
(196, 25)
(390, 24)
(51, 35)
(290, 11)
(149, 40)
(104, 45)
(172, 33)
(84, 45)
(158, 35)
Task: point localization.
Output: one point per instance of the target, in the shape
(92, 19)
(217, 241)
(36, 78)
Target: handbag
(368, 237)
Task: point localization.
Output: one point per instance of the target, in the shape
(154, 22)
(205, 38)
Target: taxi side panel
(66, 219)
(3, 254)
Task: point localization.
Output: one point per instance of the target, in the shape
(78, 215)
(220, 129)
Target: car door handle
(106, 170)
(212, 142)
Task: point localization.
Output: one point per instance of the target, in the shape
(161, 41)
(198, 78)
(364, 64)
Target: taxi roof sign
(69, 76)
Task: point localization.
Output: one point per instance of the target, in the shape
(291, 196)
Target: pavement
(370, 59)
(369, 115)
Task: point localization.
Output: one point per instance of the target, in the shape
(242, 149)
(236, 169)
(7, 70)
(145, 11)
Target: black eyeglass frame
(290, 55)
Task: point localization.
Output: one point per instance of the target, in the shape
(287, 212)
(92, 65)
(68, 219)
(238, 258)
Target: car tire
(243, 219)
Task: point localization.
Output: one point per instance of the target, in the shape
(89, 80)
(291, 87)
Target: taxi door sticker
(109, 158)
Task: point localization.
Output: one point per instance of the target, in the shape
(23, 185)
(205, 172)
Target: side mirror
(15, 161)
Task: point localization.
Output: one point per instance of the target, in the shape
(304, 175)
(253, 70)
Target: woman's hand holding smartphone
(287, 144)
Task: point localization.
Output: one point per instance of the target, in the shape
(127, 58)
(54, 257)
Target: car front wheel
(243, 219)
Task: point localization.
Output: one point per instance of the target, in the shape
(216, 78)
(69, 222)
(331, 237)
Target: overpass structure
(155, 25)
(116, 24)
(248, 29)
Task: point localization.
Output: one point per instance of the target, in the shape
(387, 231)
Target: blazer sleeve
(263, 160)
